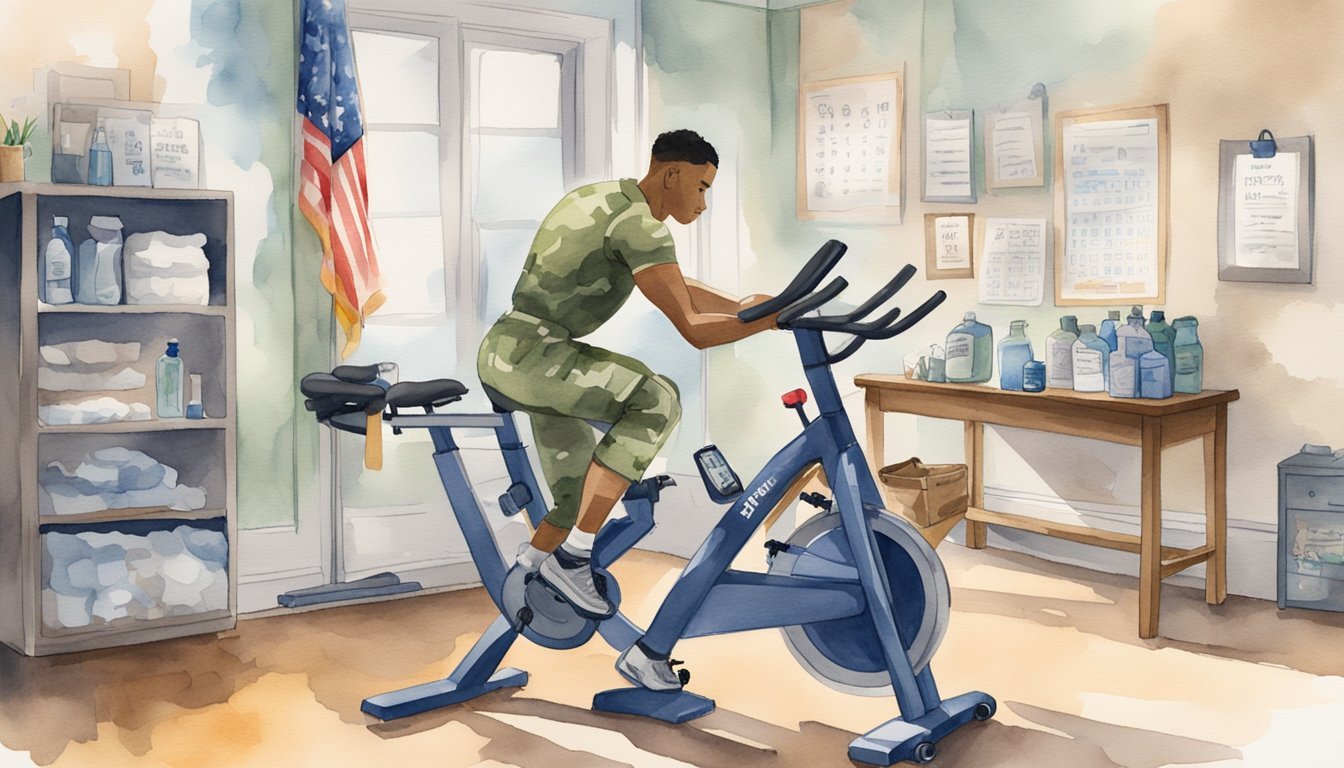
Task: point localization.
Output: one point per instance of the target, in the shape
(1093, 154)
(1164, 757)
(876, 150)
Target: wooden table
(1149, 424)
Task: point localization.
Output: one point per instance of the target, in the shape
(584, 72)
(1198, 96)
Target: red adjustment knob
(795, 398)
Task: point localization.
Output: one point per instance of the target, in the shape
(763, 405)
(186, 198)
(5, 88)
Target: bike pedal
(816, 500)
(524, 617)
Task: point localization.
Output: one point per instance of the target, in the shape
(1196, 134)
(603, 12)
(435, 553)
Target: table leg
(1215, 509)
(975, 473)
(1150, 527)
(876, 438)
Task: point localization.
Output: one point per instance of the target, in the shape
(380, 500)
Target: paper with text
(953, 248)
(1014, 146)
(852, 145)
(1012, 261)
(948, 156)
(1266, 212)
(1111, 247)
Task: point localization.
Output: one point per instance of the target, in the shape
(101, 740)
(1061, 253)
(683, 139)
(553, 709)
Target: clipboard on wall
(1266, 209)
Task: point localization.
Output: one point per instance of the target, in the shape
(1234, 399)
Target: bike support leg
(474, 676)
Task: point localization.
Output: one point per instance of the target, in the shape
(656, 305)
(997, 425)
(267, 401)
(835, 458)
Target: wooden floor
(1237, 684)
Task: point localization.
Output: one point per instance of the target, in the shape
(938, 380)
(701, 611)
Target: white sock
(531, 557)
(579, 543)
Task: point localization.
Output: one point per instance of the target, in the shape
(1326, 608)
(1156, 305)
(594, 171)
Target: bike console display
(720, 480)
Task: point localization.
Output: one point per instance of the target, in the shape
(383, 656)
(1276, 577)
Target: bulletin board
(1266, 211)
(1112, 205)
(849, 146)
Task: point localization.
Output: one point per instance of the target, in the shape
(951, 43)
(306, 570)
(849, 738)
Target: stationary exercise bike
(862, 599)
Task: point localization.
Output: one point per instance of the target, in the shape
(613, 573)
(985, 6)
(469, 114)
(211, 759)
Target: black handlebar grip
(808, 278)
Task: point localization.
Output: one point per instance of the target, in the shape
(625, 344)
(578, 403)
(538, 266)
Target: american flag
(333, 191)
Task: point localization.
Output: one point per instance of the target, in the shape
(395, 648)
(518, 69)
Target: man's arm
(703, 326)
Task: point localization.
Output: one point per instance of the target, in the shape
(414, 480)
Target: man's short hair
(684, 146)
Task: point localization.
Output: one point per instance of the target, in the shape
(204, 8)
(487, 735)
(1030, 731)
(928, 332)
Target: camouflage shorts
(564, 384)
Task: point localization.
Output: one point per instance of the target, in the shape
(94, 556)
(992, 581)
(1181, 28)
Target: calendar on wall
(849, 145)
(1111, 203)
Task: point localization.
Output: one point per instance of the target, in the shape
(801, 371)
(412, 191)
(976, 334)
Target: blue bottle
(1014, 353)
(1154, 375)
(970, 352)
(100, 160)
(1164, 339)
(1089, 360)
(1033, 376)
(1108, 328)
(1131, 338)
(1189, 378)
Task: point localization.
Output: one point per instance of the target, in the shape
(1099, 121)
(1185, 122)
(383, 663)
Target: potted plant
(14, 147)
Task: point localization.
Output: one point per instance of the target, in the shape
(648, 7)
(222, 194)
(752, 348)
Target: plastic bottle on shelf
(1154, 375)
(1108, 328)
(1089, 360)
(1122, 378)
(1164, 339)
(1133, 340)
(1189, 378)
(168, 376)
(1059, 353)
(98, 279)
(970, 351)
(1014, 353)
(58, 261)
(100, 160)
(194, 408)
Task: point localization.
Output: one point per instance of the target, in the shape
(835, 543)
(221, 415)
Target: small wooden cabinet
(1311, 529)
(116, 526)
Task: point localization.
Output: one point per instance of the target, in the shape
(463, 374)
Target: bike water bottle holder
(721, 482)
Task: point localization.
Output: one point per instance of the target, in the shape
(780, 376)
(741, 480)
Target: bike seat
(330, 397)
(424, 394)
(499, 402)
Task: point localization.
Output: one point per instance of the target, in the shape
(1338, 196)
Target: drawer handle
(1335, 503)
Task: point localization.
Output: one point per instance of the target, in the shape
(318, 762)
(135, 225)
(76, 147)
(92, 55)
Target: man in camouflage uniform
(595, 246)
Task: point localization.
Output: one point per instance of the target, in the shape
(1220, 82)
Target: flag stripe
(333, 189)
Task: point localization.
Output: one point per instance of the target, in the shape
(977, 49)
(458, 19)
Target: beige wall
(1226, 69)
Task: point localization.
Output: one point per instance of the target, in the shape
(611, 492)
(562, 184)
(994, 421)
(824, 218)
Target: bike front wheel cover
(846, 654)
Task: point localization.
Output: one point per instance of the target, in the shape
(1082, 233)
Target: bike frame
(709, 598)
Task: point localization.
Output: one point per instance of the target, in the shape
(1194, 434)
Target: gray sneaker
(572, 577)
(653, 674)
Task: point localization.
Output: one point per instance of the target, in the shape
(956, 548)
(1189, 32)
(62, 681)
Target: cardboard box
(929, 492)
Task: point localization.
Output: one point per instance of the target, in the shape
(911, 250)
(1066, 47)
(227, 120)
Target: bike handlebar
(798, 298)
(807, 279)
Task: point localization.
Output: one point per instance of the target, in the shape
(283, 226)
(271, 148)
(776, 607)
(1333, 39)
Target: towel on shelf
(163, 268)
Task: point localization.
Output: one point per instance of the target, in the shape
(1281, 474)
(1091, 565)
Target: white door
(473, 133)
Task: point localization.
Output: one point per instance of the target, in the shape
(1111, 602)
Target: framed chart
(849, 147)
(1112, 205)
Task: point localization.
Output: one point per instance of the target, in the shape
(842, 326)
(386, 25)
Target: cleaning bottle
(1108, 328)
(1131, 338)
(1164, 338)
(1089, 360)
(970, 351)
(1014, 353)
(57, 263)
(1122, 379)
(168, 383)
(100, 160)
(1154, 375)
(1059, 353)
(1189, 356)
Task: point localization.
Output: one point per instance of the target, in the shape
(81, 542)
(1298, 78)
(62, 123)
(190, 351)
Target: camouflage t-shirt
(581, 267)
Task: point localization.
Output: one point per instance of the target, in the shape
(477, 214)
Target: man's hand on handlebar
(753, 300)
